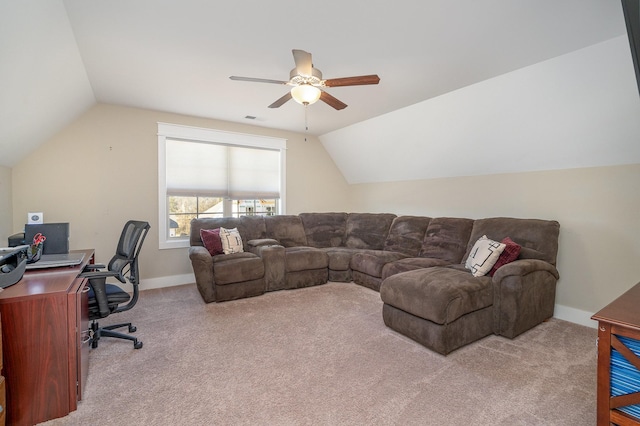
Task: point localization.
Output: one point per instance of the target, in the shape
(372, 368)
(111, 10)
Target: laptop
(55, 248)
(57, 260)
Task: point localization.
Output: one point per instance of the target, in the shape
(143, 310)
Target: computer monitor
(57, 236)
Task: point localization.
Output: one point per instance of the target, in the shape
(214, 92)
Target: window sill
(174, 244)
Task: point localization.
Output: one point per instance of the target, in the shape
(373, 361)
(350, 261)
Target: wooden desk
(618, 321)
(45, 342)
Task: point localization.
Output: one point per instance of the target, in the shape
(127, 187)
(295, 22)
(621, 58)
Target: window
(211, 173)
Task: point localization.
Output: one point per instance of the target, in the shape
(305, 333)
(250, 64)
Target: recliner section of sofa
(236, 275)
(415, 262)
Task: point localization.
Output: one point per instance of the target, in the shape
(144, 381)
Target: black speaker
(17, 239)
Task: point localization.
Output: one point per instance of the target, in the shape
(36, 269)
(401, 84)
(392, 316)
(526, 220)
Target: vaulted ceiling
(59, 57)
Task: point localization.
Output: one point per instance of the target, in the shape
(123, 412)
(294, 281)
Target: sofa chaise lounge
(420, 266)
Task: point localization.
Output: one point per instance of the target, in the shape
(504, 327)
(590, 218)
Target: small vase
(34, 252)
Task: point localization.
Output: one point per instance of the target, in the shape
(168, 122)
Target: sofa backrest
(325, 229)
(406, 234)
(538, 238)
(287, 229)
(446, 238)
(368, 230)
(249, 227)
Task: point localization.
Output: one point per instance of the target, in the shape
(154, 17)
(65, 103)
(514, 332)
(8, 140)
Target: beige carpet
(323, 356)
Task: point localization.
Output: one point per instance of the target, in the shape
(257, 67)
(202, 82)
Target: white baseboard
(170, 281)
(574, 315)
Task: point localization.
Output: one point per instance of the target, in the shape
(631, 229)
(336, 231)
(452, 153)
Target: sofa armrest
(254, 246)
(202, 264)
(262, 242)
(273, 257)
(523, 295)
(523, 267)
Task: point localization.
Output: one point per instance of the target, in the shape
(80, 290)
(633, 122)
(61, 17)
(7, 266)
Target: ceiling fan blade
(352, 81)
(303, 62)
(281, 101)
(257, 80)
(332, 101)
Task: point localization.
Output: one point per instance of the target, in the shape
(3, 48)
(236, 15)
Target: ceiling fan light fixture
(305, 94)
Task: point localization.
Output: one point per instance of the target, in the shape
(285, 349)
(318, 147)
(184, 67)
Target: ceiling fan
(307, 83)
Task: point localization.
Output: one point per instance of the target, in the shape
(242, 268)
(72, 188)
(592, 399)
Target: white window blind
(195, 168)
(215, 170)
(253, 173)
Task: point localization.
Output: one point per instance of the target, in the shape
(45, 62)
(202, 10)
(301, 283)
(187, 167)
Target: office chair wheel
(137, 345)
(132, 328)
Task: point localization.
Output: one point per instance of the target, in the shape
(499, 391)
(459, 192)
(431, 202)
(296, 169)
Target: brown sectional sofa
(415, 262)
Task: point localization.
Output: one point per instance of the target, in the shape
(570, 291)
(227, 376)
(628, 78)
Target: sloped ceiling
(578, 110)
(57, 58)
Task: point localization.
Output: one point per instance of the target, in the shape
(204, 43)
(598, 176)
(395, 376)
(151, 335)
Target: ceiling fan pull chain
(306, 122)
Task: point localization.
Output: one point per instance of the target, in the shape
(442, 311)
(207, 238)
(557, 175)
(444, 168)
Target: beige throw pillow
(231, 240)
(483, 256)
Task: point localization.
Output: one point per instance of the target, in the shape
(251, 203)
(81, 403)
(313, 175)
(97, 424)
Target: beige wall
(6, 213)
(598, 210)
(102, 170)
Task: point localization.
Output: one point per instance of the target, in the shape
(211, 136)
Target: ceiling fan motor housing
(315, 79)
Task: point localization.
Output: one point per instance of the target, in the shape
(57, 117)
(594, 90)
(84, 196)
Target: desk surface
(46, 281)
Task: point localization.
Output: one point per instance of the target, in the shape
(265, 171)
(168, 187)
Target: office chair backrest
(129, 245)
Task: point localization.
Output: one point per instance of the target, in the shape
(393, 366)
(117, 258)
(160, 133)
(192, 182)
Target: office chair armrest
(100, 274)
(99, 286)
(93, 267)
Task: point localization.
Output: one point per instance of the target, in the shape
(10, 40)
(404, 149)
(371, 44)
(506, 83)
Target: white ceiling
(57, 58)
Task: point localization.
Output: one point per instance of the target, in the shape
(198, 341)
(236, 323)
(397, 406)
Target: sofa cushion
(287, 229)
(340, 257)
(440, 295)
(483, 256)
(538, 238)
(509, 254)
(211, 240)
(446, 238)
(237, 268)
(406, 234)
(368, 230)
(250, 227)
(410, 264)
(305, 258)
(209, 223)
(325, 229)
(371, 262)
(231, 240)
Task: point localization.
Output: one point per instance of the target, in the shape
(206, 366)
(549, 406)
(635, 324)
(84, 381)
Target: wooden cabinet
(45, 343)
(618, 393)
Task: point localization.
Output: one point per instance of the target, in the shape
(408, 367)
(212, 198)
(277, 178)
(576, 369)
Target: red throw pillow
(211, 240)
(508, 255)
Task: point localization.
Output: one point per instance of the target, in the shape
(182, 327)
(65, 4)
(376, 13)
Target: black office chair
(106, 299)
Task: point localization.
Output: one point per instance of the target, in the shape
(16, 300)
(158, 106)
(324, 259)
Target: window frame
(200, 134)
